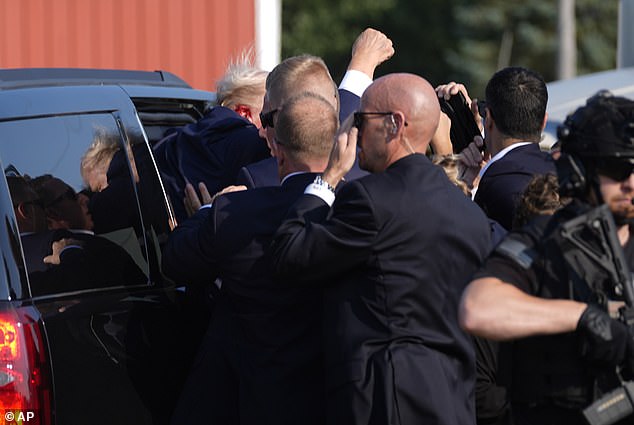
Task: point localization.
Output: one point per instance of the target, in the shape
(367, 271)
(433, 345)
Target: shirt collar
(291, 175)
(500, 155)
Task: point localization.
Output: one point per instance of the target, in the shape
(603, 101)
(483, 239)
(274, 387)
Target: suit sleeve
(315, 244)
(189, 255)
(348, 103)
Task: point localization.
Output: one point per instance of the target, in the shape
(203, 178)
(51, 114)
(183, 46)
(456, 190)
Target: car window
(74, 192)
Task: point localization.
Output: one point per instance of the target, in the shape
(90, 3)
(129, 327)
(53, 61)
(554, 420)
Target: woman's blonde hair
(454, 169)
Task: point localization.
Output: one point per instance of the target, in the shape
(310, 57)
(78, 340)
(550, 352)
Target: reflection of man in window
(27, 206)
(63, 210)
(101, 263)
(31, 219)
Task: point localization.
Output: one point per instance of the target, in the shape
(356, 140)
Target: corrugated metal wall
(194, 39)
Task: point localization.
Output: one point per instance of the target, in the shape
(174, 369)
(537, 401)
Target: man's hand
(370, 49)
(472, 160)
(57, 248)
(445, 91)
(193, 202)
(342, 157)
(604, 341)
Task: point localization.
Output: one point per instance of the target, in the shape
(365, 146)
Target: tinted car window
(79, 175)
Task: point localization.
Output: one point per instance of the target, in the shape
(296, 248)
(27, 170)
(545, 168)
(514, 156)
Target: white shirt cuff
(321, 191)
(355, 82)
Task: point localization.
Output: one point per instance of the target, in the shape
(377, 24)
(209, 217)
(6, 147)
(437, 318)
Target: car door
(117, 342)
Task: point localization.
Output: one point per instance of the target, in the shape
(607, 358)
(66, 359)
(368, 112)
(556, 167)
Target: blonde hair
(298, 74)
(454, 169)
(99, 154)
(242, 84)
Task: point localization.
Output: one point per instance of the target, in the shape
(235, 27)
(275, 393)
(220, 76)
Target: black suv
(86, 345)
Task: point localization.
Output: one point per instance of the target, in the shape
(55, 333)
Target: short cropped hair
(306, 127)
(242, 84)
(517, 98)
(293, 76)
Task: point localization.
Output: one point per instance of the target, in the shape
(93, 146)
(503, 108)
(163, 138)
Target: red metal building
(195, 39)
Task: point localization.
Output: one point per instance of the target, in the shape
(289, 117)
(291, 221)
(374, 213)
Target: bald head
(399, 115)
(414, 97)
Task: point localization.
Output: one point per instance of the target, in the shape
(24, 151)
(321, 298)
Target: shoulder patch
(516, 251)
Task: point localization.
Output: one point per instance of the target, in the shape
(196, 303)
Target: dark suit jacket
(272, 328)
(95, 263)
(504, 181)
(211, 150)
(264, 173)
(394, 254)
(259, 174)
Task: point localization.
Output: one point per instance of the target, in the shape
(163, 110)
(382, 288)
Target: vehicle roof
(564, 96)
(137, 84)
(30, 77)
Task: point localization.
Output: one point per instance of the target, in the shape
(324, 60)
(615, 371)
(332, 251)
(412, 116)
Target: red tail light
(25, 389)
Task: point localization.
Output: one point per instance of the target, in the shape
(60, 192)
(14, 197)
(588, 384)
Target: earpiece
(394, 126)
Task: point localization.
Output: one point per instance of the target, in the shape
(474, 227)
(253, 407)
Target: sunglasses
(358, 118)
(616, 170)
(266, 118)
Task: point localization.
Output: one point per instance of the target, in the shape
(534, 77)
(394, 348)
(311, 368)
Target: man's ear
(280, 155)
(244, 111)
(22, 211)
(489, 122)
(545, 121)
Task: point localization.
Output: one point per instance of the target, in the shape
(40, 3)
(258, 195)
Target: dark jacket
(211, 150)
(504, 181)
(268, 332)
(393, 254)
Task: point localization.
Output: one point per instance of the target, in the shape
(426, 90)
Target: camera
(463, 125)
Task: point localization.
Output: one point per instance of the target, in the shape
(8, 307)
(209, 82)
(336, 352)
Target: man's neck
(500, 143)
(298, 168)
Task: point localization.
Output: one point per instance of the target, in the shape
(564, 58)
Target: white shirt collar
(291, 175)
(500, 155)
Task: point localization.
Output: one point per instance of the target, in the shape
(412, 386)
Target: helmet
(597, 137)
(604, 127)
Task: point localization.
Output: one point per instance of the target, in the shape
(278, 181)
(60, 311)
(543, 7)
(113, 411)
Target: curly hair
(540, 197)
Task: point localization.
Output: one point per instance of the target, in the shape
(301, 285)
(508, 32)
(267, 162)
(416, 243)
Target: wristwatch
(321, 182)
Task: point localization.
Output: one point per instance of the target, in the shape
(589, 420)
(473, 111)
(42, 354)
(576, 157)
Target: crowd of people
(365, 273)
(361, 269)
